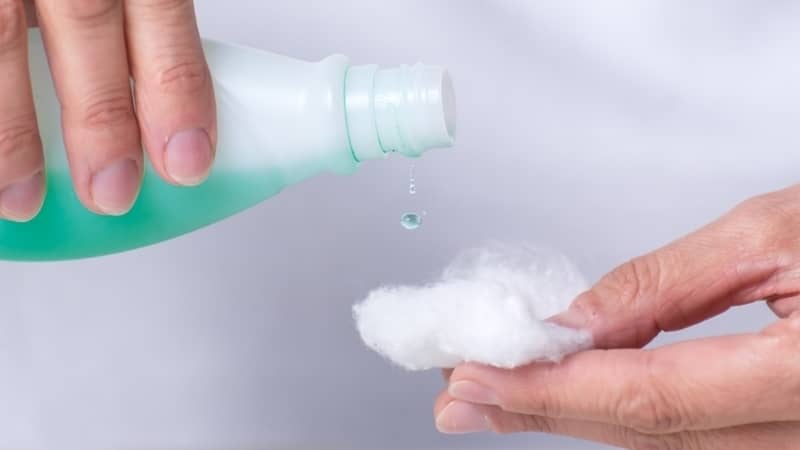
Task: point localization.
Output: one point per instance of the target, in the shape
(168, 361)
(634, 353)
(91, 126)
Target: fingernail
(461, 418)
(472, 392)
(115, 188)
(188, 157)
(571, 318)
(21, 201)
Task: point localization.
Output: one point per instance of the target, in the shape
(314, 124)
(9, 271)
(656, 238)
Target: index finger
(746, 256)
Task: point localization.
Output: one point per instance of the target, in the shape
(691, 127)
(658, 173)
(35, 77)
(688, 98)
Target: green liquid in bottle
(66, 230)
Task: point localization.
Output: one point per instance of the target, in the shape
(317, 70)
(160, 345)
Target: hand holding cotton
(489, 306)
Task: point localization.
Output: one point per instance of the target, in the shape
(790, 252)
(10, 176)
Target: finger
(30, 13)
(21, 160)
(446, 373)
(456, 417)
(696, 385)
(174, 92)
(748, 255)
(85, 43)
(785, 306)
(442, 400)
(460, 417)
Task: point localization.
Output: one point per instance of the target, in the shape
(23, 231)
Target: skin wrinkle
(701, 409)
(12, 25)
(89, 12)
(549, 404)
(643, 407)
(649, 277)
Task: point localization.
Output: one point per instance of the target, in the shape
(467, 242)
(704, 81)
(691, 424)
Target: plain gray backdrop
(603, 129)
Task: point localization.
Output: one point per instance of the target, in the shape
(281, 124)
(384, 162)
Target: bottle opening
(408, 110)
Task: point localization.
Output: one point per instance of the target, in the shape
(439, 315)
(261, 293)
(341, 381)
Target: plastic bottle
(281, 121)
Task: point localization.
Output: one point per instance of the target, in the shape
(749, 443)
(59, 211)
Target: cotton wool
(489, 306)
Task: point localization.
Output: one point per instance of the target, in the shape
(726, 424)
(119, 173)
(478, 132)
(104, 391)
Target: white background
(604, 129)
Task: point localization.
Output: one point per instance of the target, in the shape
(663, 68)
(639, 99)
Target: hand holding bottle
(94, 49)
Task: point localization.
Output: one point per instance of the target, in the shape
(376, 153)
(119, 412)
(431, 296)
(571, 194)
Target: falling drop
(412, 185)
(411, 221)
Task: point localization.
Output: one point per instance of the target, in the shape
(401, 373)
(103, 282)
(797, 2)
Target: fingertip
(784, 307)
(188, 157)
(22, 201)
(577, 316)
(462, 418)
(114, 188)
(442, 400)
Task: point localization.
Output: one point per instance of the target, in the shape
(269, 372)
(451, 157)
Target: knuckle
(190, 77)
(635, 278)
(644, 412)
(648, 408)
(547, 403)
(763, 221)
(13, 25)
(90, 11)
(108, 111)
(17, 140)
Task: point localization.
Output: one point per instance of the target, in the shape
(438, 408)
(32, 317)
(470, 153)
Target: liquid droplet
(411, 221)
(412, 185)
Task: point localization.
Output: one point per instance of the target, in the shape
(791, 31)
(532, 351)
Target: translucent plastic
(281, 121)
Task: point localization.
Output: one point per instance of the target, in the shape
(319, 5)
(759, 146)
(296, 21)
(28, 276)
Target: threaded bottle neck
(408, 110)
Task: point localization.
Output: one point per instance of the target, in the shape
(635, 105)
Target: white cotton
(488, 307)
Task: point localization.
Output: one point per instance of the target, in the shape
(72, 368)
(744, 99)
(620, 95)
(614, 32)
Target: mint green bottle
(281, 121)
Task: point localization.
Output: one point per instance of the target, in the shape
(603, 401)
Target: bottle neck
(408, 110)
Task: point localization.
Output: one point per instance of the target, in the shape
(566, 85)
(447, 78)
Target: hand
(733, 392)
(94, 47)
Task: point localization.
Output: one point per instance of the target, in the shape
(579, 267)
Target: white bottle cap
(406, 109)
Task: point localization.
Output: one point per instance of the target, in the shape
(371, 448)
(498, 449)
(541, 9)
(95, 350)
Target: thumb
(749, 254)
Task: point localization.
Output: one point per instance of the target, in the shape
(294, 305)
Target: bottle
(280, 121)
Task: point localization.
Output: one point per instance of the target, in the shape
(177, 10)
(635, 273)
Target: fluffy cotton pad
(489, 307)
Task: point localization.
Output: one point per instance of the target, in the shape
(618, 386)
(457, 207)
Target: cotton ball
(488, 307)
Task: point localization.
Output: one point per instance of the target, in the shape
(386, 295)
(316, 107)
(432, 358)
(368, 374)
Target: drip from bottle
(411, 221)
(412, 182)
